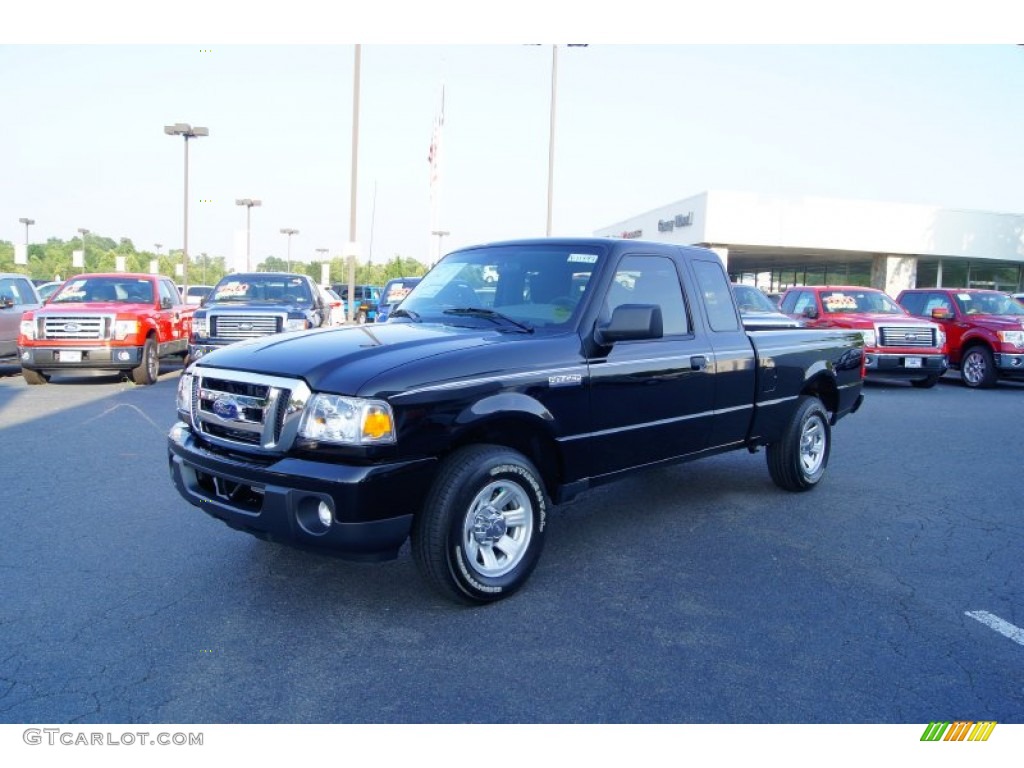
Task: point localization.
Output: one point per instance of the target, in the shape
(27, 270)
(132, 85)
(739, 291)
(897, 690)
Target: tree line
(52, 260)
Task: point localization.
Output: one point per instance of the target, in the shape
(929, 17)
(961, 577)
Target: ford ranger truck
(483, 402)
(984, 330)
(896, 345)
(252, 305)
(105, 322)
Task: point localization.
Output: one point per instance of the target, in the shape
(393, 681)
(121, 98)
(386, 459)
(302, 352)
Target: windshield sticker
(964, 296)
(838, 302)
(233, 289)
(75, 289)
(582, 258)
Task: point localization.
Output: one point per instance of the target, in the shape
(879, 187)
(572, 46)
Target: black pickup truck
(482, 402)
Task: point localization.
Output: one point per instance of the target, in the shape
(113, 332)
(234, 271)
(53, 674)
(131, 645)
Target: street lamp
(186, 130)
(441, 234)
(83, 233)
(249, 204)
(27, 223)
(289, 232)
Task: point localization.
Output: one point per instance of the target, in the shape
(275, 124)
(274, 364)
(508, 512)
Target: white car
(335, 305)
(196, 293)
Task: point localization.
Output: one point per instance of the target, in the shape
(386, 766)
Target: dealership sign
(680, 220)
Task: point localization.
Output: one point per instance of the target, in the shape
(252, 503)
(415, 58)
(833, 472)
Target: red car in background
(984, 330)
(896, 344)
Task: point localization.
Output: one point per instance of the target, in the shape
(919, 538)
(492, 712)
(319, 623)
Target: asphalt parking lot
(695, 594)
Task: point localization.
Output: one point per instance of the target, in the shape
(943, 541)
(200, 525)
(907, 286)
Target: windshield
(91, 289)
(752, 299)
(276, 289)
(854, 300)
(512, 286)
(987, 303)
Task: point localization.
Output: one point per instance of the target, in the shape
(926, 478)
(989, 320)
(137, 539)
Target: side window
(168, 291)
(718, 298)
(936, 301)
(801, 301)
(650, 280)
(914, 303)
(17, 290)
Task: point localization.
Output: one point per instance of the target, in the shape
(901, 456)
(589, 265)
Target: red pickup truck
(896, 344)
(984, 330)
(114, 322)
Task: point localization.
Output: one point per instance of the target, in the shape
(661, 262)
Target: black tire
(978, 368)
(798, 461)
(149, 367)
(466, 547)
(928, 382)
(34, 378)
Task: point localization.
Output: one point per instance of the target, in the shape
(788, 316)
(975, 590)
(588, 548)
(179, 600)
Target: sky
(660, 105)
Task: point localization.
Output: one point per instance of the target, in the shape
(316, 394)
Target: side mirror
(6, 302)
(940, 313)
(630, 322)
(165, 303)
(810, 313)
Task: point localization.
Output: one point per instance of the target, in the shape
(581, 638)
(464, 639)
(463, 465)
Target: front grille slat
(906, 336)
(247, 412)
(76, 327)
(235, 326)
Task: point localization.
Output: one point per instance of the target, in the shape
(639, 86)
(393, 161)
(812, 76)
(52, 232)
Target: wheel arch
(823, 386)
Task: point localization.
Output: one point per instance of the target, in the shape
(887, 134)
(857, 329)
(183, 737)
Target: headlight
(296, 324)
(125, 328)
(869, 338)
(200, 327)
(347, 421)
(1007, 337)
(184, 400)
(940, 338)
(28, 329)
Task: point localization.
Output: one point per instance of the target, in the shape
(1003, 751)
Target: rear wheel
(481, 530)
(149, 367)
(797, 462)
(978, 369)
(34, 377)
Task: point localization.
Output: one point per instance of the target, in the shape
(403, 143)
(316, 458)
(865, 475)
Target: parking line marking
(992, 621)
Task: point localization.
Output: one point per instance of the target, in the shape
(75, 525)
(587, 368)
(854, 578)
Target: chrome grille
(246, 411)
(234, 326)
(906, 336)
(77, 327)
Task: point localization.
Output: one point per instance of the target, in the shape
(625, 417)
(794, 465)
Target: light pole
(27, 223)
(249, 203)
(289, 232)
(441, 234)
(186, 130)
(551, 135)
(83, 233)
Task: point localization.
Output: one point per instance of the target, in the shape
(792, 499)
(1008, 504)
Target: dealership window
(963, 273)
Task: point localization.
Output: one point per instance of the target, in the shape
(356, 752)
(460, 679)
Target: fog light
(196, 353)
(124, 355)
(324, 513)
(26, 356)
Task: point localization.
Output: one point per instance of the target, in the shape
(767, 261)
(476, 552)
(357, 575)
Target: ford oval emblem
(245, 326)
(71, 328)
(226, 407)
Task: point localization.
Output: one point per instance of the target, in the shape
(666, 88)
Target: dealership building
(774, 242)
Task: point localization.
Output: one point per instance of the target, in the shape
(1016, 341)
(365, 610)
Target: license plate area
(68, 356)
(913, 362)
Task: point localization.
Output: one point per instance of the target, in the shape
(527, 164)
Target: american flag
(434, 154)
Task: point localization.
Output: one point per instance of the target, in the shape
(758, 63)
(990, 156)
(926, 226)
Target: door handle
(698, 362)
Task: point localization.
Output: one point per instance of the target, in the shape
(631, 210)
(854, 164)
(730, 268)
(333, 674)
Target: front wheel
(34, 378)
(797, 461)
(149, 367)
(978, 369)
(481, 530)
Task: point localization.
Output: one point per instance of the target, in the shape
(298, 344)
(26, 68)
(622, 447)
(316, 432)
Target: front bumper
(79, 358)
(1009, 364)
(902, 365)
(371, 506)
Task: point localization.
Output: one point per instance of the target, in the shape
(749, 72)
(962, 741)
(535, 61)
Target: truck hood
(871, 319)
(342, 360)
(93, 308)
